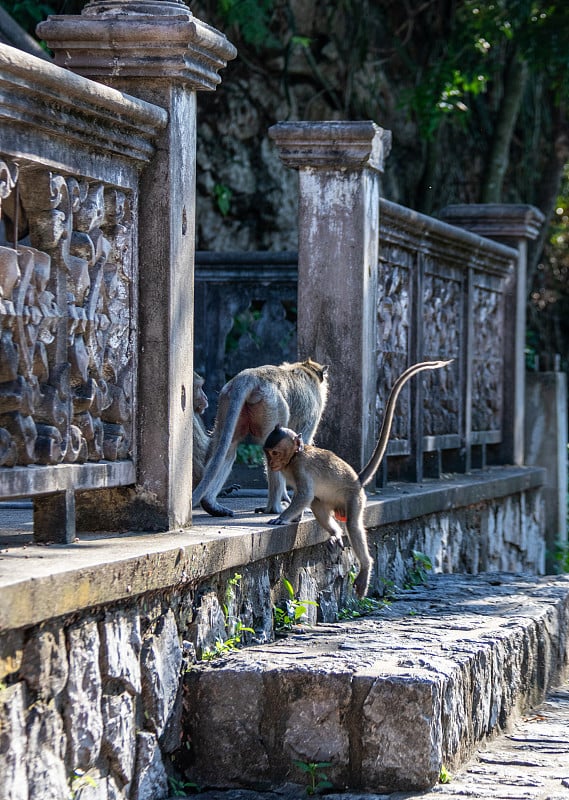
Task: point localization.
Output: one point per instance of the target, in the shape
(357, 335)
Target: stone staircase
(386, 700)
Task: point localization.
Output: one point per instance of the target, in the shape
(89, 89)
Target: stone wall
(91, 689)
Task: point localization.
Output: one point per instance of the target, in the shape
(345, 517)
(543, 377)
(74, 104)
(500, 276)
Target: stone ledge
(387, 699)
(38, 582)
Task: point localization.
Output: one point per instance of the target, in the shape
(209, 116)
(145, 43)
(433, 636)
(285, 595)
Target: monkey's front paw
(277, 521)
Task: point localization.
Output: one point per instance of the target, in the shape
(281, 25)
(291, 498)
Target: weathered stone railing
(104, 306)
(380, 287)
(70, 158)
(438, 291)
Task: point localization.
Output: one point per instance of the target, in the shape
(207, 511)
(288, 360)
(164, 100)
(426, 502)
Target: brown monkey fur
(250, 405)
(326, 483)
(200, 438)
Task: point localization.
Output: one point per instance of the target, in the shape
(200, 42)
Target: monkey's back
(331, 476)
(296, 393)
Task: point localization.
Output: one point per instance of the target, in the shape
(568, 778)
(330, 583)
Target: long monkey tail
(215, 462)
(372, 466)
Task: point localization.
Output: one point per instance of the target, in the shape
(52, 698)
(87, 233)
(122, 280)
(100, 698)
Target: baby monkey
(326, 483)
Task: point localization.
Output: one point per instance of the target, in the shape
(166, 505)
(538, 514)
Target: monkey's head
(200, 398)
(280, 447)
(320, 370)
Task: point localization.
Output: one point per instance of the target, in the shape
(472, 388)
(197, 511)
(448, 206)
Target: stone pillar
(546, 446)
(339, 165)
(159, 52)
(513, 225)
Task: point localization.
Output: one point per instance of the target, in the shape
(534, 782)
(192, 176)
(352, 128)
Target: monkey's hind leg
(209, 500)
(358, 541)
(325, 517)
(278, 498)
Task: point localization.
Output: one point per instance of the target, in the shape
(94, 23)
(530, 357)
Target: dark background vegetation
(475, 94)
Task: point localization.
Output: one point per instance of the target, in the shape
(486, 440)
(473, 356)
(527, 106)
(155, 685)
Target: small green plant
(80, 780)
(417, 575)
(361, 606)
(245, 325)
(222, 195)
(232, 624)
(224, 646)
(444, 775)
(250, 454)
(182, 788)
(317, 778)
(293, 611)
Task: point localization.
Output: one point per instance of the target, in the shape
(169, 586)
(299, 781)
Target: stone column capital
(332, 145)
(496, 220)
(156, 39)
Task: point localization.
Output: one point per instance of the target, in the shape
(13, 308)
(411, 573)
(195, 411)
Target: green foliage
(233, 625)
(444, 775)
(317, 778)
(252, 18)
(27, 13)
(250, 454)
(548, 309)
(222, 195)
(80, 780)
(293, 611)
(417, 575)
(182, 788)
(243, 324)
(361, 606)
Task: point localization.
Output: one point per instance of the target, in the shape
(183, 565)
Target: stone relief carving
(487, 395)
(66, 350)
(393, 320)
(442, 332)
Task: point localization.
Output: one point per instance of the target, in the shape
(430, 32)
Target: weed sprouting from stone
(292, 613)
(317, 778)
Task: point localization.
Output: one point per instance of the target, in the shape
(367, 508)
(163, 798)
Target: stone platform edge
(39, 583)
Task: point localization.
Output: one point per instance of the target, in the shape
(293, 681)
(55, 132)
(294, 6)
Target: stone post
(157, 51)
(546, 446)
(339, 165)
(513, 225)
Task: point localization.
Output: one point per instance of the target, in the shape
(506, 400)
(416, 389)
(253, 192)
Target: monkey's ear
(299, 444)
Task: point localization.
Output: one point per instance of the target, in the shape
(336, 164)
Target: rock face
(388, 699)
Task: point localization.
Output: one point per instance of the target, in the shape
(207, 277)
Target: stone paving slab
(531, 762)
(387, 699)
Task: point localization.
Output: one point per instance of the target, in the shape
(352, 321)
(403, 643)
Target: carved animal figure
(200, 438)
(251, 404)
(330, 486)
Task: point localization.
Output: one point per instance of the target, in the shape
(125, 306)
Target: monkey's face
(200, 398)
(279, 456)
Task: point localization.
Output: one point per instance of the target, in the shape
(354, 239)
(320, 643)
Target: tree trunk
(515, 81)
(549, 187)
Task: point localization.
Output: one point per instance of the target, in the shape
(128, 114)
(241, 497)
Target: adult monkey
(251, 404)
(200, 439)
(326, 483)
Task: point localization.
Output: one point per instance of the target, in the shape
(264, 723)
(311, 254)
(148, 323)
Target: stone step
(386, 700)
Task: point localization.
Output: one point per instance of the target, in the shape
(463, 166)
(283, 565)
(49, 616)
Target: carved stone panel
(443, 325)
(393, 326)
(66, 319)
(487, 359)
